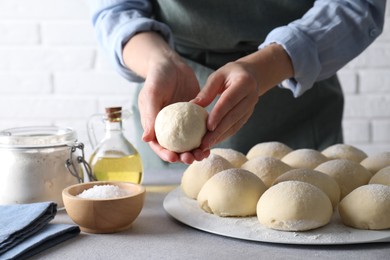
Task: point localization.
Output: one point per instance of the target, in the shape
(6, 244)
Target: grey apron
(210, 33)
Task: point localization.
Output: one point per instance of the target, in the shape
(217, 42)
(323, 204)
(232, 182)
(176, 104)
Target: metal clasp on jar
(80, 159)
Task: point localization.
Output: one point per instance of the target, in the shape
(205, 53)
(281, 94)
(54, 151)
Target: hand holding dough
(181, 126)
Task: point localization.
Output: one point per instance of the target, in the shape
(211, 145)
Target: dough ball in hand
(374, 163)
(181, 126)
(196, 174)
(321, 180)
(266, 168)
(269, 149)
(236, 158)
(367, 207)
(381, 177)
(304, 158)
(348, 174)
(231, 193)
(294, 206)
(344, 151)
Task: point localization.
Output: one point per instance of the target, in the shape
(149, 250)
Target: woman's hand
(239, 85)
(168, 80)
(239, 92)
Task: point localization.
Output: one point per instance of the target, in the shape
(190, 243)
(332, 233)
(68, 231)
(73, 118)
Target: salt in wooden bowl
(105, 215)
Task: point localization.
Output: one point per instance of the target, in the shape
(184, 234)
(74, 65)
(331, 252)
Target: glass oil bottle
(114, 158)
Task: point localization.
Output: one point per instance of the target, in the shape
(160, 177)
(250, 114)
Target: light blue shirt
(326, 38)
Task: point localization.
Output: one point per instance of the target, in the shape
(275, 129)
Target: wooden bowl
(104, 215)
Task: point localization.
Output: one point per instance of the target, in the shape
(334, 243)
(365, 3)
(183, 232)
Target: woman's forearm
(270, 65)
(145, 49)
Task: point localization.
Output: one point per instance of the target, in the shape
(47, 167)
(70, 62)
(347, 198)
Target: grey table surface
(156, 235)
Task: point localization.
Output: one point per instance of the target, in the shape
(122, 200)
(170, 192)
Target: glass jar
(37, 163)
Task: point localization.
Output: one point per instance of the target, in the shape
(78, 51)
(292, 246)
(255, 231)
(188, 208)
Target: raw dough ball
(200, 171)
(294, 206)
(269, 149)
(321, 180)
(236, 158)
(376, 162)
(232, 192)
(266, 168)
(348, 174)
(181, 126)
(367, 207)
(344, 151)
(381, 177)
(304, 158)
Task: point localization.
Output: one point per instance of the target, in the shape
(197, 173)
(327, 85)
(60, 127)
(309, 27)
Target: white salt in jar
(34, 163)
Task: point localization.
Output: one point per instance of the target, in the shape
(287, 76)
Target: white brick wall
(52, 72)
(366, 84)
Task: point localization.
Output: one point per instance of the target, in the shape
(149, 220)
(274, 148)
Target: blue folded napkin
(24, 229)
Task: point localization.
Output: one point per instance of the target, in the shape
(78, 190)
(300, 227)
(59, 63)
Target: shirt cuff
(126, 31)
(303, 54)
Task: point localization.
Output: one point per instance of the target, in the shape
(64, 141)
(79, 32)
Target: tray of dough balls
(275, 194)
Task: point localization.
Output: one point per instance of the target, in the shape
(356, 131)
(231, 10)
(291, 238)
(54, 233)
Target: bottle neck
(113, 128)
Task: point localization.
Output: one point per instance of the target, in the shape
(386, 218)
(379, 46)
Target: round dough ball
(196, 174)
(269, 149)
(348, 174)
(344, 151)
(367, 207)
(304, 158)
(376, 162)
(321, 180)
(181, 126)
(231, 193)
(236, 158)
(266, 168)
(294, 206)
(381, 177)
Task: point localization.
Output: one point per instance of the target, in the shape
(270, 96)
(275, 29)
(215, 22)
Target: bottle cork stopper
(114, 113)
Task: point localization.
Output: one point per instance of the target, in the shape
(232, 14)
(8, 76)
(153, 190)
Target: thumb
(148, 117)
(211, 89)
(148, 109)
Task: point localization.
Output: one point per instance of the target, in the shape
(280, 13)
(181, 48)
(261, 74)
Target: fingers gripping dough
(232, 192)
(294, 206)
(181, 126)
(195, 176)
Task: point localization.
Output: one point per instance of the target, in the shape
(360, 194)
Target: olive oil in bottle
(115, 158)
(125, 168)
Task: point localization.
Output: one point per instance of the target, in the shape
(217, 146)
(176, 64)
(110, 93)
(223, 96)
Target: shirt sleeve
(326, 38)
(116, 21)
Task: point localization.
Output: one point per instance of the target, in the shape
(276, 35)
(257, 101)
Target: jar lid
(36, 137)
